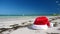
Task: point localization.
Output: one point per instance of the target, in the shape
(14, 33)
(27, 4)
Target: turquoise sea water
(15, 16)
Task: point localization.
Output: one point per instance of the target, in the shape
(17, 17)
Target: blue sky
(19, 7)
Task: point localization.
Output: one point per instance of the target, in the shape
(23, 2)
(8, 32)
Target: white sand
(10, 21)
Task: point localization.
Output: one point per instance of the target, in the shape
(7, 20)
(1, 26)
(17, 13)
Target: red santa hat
(42, 20)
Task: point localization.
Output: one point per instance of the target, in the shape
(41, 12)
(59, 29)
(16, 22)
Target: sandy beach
(22, 29)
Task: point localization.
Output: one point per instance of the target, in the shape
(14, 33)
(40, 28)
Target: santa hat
(42, 20)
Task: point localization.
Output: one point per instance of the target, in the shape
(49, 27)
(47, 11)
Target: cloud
(57, 1)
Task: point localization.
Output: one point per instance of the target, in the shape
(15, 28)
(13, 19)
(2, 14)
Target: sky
(27, 7)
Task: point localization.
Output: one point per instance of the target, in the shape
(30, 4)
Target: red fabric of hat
(42, 20)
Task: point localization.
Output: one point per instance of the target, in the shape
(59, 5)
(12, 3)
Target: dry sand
(5, 23)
